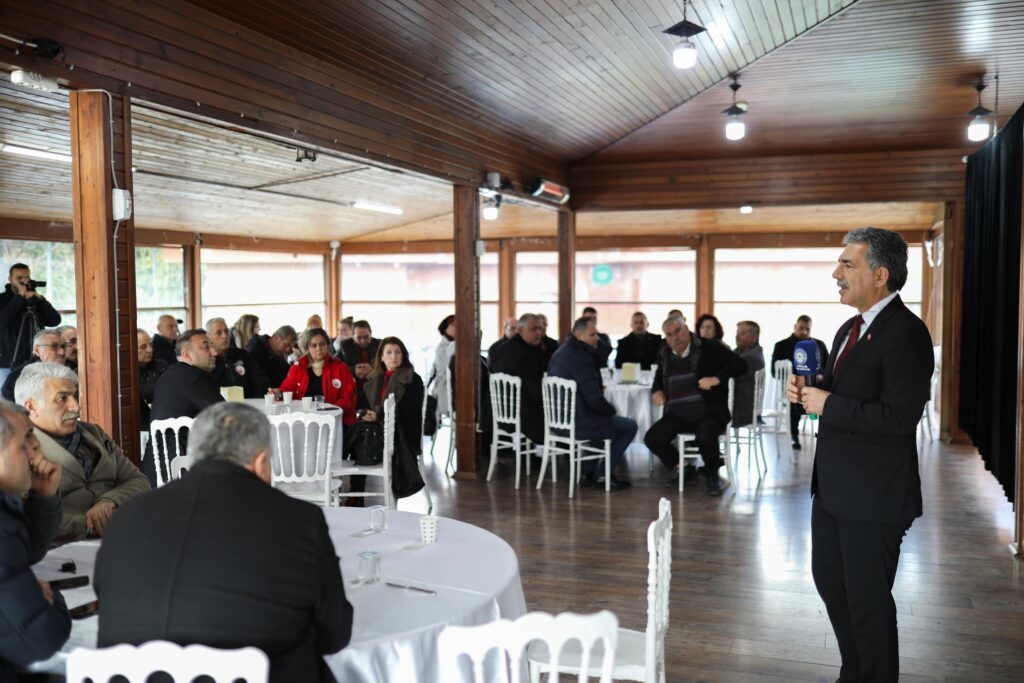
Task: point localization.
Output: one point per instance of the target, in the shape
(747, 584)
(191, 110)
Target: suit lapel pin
(869, 336)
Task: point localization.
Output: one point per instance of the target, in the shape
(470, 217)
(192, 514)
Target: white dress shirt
(869, 317)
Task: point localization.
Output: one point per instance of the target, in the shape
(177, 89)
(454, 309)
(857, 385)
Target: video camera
(33, 285)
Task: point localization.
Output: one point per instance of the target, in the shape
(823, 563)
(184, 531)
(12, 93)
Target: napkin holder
(630, 373)
(233, 394)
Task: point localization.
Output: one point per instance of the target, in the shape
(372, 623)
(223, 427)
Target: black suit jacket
(251, 378)
(163, 349)
(638, 349)
(182, 391)
(274, 367)
(865, 464)
(222, 559)
(519, 359)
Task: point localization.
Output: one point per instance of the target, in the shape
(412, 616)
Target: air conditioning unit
(550, 190)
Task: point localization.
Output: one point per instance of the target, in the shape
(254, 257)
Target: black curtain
(991, 337)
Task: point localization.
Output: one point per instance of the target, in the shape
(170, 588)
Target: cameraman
(23, 312)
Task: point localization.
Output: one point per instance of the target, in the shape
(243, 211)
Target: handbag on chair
(366, 448)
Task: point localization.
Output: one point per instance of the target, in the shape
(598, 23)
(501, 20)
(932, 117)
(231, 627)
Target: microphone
(806, 361)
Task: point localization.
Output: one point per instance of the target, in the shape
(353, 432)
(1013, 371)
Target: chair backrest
(184, 664)
(659, 575)
(304, 453)
(506, 391)
(181, 465)
(559, 398)
(783, 371)
(389, 430)
(758, 394)
(511, 639)
(165, 449)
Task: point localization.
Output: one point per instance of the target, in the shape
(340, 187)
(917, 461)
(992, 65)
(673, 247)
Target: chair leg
(519, 455)
(529, 455)
(451, 447)
(607, 465)
(573, 455)
(729, 471)
(543, 465)
(494, 460)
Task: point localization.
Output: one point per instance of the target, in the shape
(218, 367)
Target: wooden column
(93, 230)
(128, 309)
(952, 307)
(193, 284)
(467, 317)
(332, 281)
(705, 278)
(506, 285)
(566, 272)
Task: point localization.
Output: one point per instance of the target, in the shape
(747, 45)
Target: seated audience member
(245, 328)
(96, 478)
(150, 370)
(188, 386)
(675, 313)
(708, 327)
(220, 558)
(509, 329)
(34, 621)
(165, 338)
(692, 382)
(271, 352)
(69, 335)
(783, 350)
(344, 332)
(234, 367)
(522, 357)
(748, 347)
(443, 353)
(393, 374)
(591, 312)
(318, 373)
(547, 344)
(580, 360)
(358, 353)
(47, 347)
(639, 346)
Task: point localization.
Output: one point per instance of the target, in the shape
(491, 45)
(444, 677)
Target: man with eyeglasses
(70, 336)
(47, 347)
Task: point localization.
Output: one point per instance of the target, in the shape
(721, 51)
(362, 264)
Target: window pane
(49, 262)
(398, 277)
(537, 286)
(159, 284)
(282, 289)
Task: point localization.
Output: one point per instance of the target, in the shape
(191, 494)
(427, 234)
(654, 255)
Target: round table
(632, 400)
(473, 573)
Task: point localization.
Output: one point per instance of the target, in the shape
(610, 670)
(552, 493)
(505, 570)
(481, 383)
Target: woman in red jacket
(318, 373)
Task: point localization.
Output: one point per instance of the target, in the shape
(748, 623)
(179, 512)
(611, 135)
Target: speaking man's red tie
(851, 342)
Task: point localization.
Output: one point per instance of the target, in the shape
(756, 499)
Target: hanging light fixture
(735, 129)
(491, 206)
(979, 129)
(684, 56)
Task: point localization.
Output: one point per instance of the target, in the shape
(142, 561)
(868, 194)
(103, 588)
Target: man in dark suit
(548, 345)
(522, 357)
(866, 485)
(165, 338)
(270, 353)
(359, 353)
(639, 346)
(784, 351)
(604, 339)
(150, 370)
(509, 329)
(234, 367)
(692, 382)
(220, 558)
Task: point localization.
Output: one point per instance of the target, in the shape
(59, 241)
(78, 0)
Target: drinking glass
(378, 518)
(307, 402)
(369, 566)
(287, 398)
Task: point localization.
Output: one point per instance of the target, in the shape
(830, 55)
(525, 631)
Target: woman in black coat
(393, 375)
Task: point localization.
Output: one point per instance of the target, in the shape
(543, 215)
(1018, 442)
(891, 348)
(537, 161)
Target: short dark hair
(719, 332)
(581, 324)
(362, 323)
(442, 327)
(589, 309)
(285, 331)
(751, 325)
(378, 363)
(804, 319)
(17, 266)
(886, 249)
(185, 337)
(346, 321)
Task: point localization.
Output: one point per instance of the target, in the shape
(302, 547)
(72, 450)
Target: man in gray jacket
(96, 478)
(748, 335)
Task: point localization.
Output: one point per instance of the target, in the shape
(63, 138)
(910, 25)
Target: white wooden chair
(559, 399)
(181, 465)
(420, 460)
(184, 664)
(751, 434)
(159, 430)
(301, 462)
(779, 412)
(451, 427)
(506, 408)
(723, 442)
(512, 639)
(383, 470)
(639, 655)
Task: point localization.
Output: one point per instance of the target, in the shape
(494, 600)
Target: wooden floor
(743, 607)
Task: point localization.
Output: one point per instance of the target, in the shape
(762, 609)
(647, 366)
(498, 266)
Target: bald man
(163, 341)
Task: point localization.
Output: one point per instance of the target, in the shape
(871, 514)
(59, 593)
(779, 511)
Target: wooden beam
(180, 238)
(566, 272)
(91, 185)
(193, 285)
(332, 282)
(794, 240)
(422, 247)
(705, 278)
(467, 339)
(128, 309)
(506, 285)
(952, 308)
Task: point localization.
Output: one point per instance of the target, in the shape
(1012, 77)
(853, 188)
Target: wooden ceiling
(883, 75)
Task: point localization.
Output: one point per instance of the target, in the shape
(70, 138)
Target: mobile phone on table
(85, 611)
(70, 582)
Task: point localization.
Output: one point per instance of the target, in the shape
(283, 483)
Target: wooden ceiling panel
(883, 75)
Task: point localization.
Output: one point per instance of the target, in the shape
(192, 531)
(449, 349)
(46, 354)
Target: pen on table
(412, 588)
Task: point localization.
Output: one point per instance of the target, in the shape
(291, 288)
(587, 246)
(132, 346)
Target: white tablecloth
(394, 635)
(632, 401)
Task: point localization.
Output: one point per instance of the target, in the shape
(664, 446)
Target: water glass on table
(307, 402)
(286, 397)
(378, 518)
(369, 566)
